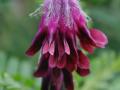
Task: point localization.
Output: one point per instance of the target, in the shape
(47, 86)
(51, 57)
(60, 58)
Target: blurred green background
(17, 30)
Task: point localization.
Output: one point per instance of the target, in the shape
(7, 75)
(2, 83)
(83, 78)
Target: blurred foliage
(105, 74)
(16, 74)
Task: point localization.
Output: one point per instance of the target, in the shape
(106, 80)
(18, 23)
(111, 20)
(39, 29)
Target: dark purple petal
(52, 87)
(57, 78)
(83, 72)
(86, 40)
(71, 41)
(42, 69)
(71, 64)
(84, 62)
(61, 49)
(37, 42)
(56, 54)
(59, 45)
(68, 80)
(45, 83)
(87, 46)
(52, 61)
(99, 37)
(62, 62)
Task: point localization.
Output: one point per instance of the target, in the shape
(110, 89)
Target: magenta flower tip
(99, 37)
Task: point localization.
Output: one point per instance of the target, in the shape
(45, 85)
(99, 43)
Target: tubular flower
(62, 24)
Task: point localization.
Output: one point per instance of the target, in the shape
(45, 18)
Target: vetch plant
(63, 27)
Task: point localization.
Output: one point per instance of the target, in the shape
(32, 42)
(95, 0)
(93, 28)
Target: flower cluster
(62, 34)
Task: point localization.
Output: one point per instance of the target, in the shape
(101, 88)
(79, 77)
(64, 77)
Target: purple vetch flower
(63, 23)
